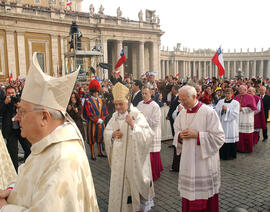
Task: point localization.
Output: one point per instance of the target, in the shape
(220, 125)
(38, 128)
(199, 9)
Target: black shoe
(265, 139)
(102, 156)
(93, 158)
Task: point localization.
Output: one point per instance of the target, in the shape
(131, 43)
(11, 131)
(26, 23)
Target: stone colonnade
(252, 66)
(141, 56)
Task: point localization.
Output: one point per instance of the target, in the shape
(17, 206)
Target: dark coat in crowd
(136, 99)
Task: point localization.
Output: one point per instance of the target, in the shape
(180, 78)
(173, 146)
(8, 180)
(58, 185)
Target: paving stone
(244, 181)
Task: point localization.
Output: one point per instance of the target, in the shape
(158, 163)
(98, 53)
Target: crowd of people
(209, 119)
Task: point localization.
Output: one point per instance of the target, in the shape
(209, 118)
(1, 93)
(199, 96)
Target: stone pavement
(245, 181)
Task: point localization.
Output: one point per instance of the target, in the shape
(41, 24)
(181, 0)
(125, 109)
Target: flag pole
(125, 160)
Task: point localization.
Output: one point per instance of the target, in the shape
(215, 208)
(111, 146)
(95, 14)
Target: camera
(14, 99)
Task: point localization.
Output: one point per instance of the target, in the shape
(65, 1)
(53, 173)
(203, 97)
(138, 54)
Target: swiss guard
(94, 112)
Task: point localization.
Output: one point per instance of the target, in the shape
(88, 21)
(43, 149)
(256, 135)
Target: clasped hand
(117, 134)
(188, 133)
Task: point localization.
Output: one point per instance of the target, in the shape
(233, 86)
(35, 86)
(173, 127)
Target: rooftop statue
(91, 10)
(101, 11)
(140, 15)
(158, 20)
(119, 12)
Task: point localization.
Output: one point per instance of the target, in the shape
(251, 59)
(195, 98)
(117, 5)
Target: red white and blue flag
(121, 60)
(69, 2)
(10, 78)
(218, 60)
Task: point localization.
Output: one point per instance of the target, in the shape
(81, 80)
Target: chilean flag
(10, 78)
(121, 60)
(218, 60)
(69, 2)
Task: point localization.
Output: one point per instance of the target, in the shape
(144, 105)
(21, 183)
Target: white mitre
(48, 91)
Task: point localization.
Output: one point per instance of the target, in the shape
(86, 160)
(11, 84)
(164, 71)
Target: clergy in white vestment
(152, 113)
(228, 113)
(56, 176)
(198, 137)
(128, 138)
(7, 171)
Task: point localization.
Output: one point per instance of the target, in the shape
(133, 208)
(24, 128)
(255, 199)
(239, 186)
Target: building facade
(198, 63)
(43, 26)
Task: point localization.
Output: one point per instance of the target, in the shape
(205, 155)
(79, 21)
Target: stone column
(11, 54)
(168, 67)
(229, 70)
(105, 56)
(234, 68)
(194, 72)
(254, 74)
(211, 69)
(184, 68)
(141, 58)
(241, 66)
(200, 71)
(261, 69)
(175, 67)
(268, 69)
(163, 71)
(204, 69)
(21, 52)
(63, 47)
(189, 68)
(55, 54)
(248, 74)
(119, 48)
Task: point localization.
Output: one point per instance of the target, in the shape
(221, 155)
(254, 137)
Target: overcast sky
(201, 23)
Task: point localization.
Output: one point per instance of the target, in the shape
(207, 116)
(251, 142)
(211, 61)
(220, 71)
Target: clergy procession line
(210, 119)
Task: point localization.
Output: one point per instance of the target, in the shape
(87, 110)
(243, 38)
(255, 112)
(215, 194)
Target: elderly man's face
(121, 106)
(251, 91)
(29, 120)
(187, 101)
(242, 90)
(262, 90)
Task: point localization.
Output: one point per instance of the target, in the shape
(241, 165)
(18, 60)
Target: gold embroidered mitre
(48, 91)
(120, 92)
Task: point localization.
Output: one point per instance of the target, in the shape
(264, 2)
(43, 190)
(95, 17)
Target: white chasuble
(136, 173)
(199, 174)
(7, 171)
(55, 177)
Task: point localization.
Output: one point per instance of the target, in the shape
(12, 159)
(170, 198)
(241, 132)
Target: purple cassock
(259, 120)
(246, 122)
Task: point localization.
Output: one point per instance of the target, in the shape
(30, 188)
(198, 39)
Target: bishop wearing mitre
(128, 139)
(56, 176)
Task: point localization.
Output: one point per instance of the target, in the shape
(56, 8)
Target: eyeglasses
(21, 113)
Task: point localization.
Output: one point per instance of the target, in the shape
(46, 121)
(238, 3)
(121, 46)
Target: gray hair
(190, 90)
(56, 115)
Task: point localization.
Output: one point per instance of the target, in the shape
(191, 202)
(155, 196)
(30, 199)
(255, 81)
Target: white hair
(244, 87)
(190, 90)
(56, 115)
